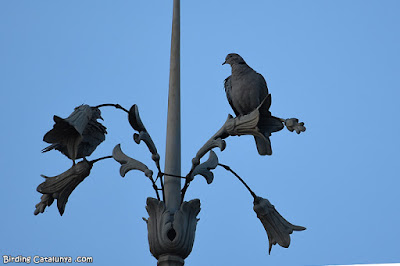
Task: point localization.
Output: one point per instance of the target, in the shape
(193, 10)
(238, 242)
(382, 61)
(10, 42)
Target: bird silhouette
(78, 135)
(246, 90)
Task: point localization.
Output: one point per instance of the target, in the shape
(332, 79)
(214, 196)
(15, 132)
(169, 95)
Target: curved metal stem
(240, 179)
(185, 187)
(114, 105)
(99, 159)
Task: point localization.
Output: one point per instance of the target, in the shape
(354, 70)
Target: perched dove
(246, 90)
(78, 135)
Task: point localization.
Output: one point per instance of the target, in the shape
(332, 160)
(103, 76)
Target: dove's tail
(263, 145)
(267, 125)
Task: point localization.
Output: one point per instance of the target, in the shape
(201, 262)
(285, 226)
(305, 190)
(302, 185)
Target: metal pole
(172, 185)
(171, 237)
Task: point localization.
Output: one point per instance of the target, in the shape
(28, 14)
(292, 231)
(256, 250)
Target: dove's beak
(224, 63)
(101, 118)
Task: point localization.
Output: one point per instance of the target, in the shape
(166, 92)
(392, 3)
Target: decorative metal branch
(226, 167)
(202, 169)
(79, 135)
(243, 125)
(127, 164)
(238, 126)
(114, 105)
(102, 158)
(278, 229)
(137, 124)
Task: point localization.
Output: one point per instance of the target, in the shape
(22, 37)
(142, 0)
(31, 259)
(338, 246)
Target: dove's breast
(247, 93)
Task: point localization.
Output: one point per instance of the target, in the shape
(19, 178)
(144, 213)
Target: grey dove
(246, 90)
(78, 135)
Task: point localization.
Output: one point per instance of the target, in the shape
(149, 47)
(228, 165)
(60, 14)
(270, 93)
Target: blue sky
(332, 64)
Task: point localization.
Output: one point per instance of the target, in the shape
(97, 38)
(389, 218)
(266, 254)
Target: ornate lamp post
(172, 221)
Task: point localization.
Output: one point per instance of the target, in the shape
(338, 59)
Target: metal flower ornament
(60, 187)
(171, 231)
(78, 136)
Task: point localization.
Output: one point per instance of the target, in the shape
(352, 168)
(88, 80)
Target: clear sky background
(332, 64)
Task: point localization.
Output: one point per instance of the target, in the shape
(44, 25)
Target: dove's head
(96, 113)
(233, 59)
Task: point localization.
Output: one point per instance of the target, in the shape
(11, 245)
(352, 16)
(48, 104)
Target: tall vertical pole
(172, 226)
(172, 185)
(171, 237)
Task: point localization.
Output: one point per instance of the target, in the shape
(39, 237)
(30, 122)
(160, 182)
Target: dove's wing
(93, 135)
(62, 148)
(228, 91)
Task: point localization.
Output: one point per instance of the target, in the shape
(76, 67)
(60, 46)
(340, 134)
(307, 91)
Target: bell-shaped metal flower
(278, 229)
(78, 135)
(60, 187)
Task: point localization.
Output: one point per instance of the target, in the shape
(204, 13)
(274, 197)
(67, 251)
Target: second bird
(246, 90)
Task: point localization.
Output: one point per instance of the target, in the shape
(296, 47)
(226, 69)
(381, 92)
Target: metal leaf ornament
(61, 186)
(278, 229)
(78, 135)
(128, 163)
(137, 124)
(204, 168)
(292, 124)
